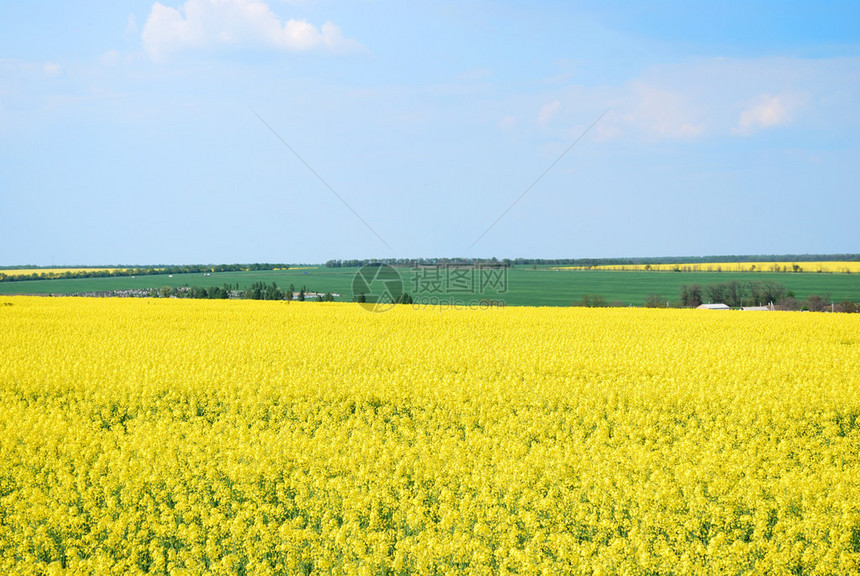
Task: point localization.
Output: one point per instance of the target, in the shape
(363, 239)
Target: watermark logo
(377, 287)
(466, 285)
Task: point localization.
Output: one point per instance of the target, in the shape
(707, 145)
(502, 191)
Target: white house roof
(713, 307)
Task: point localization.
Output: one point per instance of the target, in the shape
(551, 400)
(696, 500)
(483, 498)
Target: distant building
(713, 307)
(767, 308)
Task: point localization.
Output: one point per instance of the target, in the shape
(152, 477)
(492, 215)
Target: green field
(318, 280)
(547, 287)
(526, 285)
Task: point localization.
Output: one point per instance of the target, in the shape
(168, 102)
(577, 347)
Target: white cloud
(207, 23)
(110, 58)
(765, 112)
(664, 113)
(547, 111)
(607, 130)
(698, 99)
(131, 27)
(508, 122)
(475, 74)
(51, 69)
(645, 110)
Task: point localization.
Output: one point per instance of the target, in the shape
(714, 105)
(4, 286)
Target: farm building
(713, 307)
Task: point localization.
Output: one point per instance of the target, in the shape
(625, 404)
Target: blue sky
(129, 132)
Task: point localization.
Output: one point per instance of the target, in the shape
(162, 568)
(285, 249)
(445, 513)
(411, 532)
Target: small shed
(719, 306)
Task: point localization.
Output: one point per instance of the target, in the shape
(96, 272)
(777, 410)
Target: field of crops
(241, 437)
(829, 267)
(524, 285)
(50, 272)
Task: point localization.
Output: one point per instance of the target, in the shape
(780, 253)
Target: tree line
(413, 262)
(737, 294)
(589, 262)
(45, 273)
(255, 291)
(734, 294)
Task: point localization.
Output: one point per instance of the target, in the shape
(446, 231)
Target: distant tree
(263, 291)
(787, 303)
(198, 292)
(733, 293)
(847, 306)
(763, 293)
(404, 298)
(691, 296)
(816, 303)
(655, 301)
(715, 293)
(254, 291)
(592, 301)
(218, 293)
(273, 293)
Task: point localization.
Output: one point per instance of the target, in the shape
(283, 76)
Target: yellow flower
(141, 436)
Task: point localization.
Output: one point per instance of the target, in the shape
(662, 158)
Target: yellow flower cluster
(244, 437)
(838, 267)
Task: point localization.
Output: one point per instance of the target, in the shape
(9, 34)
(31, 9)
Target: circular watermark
(377, 287)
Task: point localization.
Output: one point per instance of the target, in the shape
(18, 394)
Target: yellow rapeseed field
(837, 267)
(245, 437)
(51, 272)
